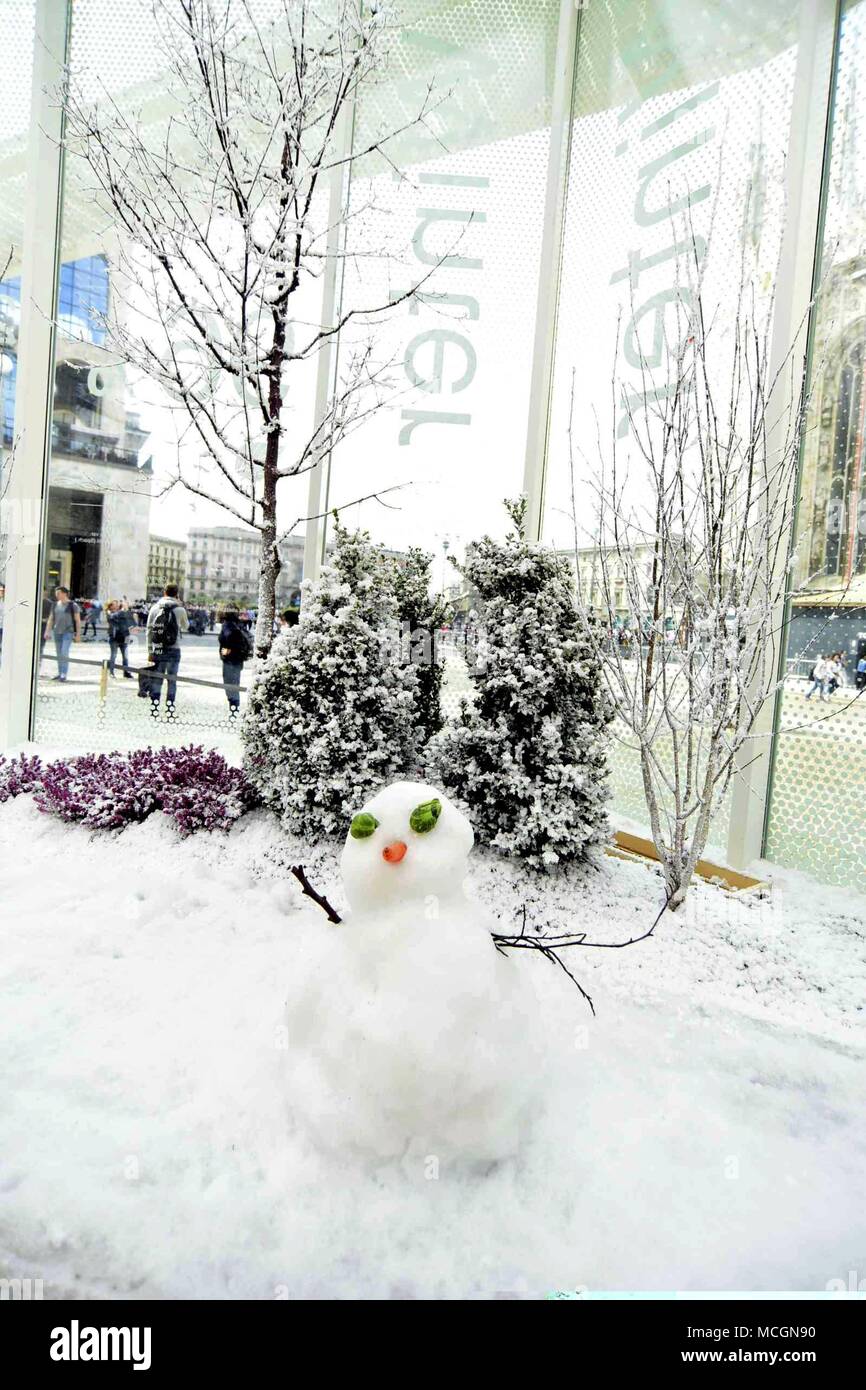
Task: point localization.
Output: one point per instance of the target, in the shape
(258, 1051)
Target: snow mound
(705, 1131)
(408, 1032)
(412, 1036)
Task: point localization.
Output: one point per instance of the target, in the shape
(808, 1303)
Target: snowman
(409, 1033)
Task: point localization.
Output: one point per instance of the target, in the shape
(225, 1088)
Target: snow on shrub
(104, 791)
(528, 758)
(331, 717)
(19, 775)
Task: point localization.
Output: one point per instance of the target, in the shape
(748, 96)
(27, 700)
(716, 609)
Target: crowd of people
(167, 620)
(164, 624)
(829, 672)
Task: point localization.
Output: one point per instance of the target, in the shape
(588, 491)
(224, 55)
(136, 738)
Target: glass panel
(817, 819)
(470, 189)
(18, 25)
(120, 526)
(681, 125)
(460, 200)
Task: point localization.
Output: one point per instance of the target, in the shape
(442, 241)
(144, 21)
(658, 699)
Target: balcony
(95, 448)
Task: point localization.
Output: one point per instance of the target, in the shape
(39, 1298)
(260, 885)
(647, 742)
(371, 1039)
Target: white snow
(705, 1131)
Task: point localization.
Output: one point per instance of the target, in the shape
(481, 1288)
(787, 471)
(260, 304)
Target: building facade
(166, 565)
(224, 567)
(619, 586)
(100, 470)
(828, 607)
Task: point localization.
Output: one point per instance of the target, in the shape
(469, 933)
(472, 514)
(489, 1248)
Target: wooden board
(628, 846)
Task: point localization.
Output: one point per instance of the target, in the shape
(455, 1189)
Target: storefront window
(816, 819)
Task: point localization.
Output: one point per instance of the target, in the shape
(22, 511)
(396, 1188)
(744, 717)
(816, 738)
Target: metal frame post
(26, 497)
(541, 386)
(326, 367)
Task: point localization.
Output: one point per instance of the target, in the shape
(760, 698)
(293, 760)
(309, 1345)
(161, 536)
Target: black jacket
(234, 639)
(119, 624)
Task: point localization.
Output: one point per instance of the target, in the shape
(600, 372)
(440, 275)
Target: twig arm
(298, 872)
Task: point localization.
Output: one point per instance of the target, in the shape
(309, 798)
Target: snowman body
(409, 1032)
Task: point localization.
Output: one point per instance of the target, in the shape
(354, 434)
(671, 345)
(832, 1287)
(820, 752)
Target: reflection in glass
(121, 525)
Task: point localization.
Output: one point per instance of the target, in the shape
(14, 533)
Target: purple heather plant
(104, 791)
(19, 775)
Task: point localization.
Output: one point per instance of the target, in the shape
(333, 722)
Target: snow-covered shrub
(421, 615)
(528, 758)
(331, 716)
(105, 791)
(19, 775)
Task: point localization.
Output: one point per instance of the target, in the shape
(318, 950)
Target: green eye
(425, 816)
(362, 825)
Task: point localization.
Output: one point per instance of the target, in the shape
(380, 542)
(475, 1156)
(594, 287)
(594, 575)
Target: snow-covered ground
(706, 1130)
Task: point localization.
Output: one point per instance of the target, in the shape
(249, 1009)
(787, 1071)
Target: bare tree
(222, 221)
(691, 539)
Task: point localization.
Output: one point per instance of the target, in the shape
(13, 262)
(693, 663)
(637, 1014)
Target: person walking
(93, 609)
(835, 673)
(235, 648)
(819, 676)
(167, 621)
(64, 624)
(120, 622)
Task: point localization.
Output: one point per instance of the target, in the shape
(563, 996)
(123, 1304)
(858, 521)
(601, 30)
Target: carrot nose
(394, 852)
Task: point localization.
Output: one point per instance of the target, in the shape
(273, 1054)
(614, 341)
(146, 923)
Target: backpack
(165, 630)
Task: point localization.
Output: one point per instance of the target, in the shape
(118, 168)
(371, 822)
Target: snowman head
(406, 844)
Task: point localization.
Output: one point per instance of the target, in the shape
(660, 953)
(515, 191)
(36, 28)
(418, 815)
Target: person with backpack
(235, 648)
(120, 622)
(64, 622)
(820, 677)
(166, 623)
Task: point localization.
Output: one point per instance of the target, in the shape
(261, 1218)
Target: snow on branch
(218, 209)
(688, 564)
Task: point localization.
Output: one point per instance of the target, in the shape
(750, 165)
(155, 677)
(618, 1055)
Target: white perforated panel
(680, 132)
(817, 820)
